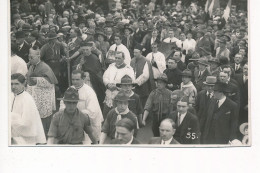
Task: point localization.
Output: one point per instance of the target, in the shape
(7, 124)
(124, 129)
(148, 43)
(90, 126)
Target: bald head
(167, 129)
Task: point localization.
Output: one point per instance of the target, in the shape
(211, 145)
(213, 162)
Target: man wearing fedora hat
(121, 111)
(68, 125)
(222, 118)
(158, 104)
(201, 74)
(187, 86)
(214, 66)
(204, 98)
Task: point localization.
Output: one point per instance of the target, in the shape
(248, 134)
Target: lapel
(174, 141)
(184, 123)
(222, 109)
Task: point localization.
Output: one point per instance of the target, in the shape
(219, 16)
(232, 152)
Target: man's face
(119, 59)
(228, 71)
(123, 134)
(154, 48)
(238, 59)
(171, 34)
(186, 79)
(20, 41)
(127, 88)
(73, 34)
(245, 70)
(182, 37)
(177, 56)
(109, 31)
(117, 40)
(202, 67)
(34, 58)
(166, 130)
(217, 95)
(16, 86)
(161, 84)
(189, 36)
(81, 25)
(182, 107)
(154, 34)
(223, 77)
(242, 51)
(121, 106)
(70, 106)
(209, 88)
(86, 50)
(127, 32)
(137, 53)
(172, 64)
(141, 25)
(77, 80)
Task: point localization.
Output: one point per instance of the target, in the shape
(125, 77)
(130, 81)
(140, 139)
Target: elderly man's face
(238, 59)
(34, 57)
(166, 130)
(123, 134)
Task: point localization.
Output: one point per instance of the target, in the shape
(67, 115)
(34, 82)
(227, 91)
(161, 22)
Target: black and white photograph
(129, 72)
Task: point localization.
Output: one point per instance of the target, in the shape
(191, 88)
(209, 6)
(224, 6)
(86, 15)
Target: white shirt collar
(221, 101)
(166, 142)
(182, 116)
(33, 43)
(211, 94)
(130, 142)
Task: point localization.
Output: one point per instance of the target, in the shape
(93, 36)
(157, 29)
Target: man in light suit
(167, 129)
(221, 124)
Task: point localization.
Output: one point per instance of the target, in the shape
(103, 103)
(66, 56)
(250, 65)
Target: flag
(213, 5)
(227, 11)
(207, 5)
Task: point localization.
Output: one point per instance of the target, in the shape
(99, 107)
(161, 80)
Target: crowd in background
(129, 72)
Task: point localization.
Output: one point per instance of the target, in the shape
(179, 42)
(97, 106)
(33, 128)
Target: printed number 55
(191, 135)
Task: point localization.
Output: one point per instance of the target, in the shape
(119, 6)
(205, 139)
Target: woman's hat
(126, 80)
(210, 80)
(70, 95)
(122, 96)
(186, 73)
(129, 28)
(163, 77)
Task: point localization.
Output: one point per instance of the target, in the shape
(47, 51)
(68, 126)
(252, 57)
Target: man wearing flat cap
(125, 132)
(68, 125)
(222, 118)
(158, 103)
(204, 98)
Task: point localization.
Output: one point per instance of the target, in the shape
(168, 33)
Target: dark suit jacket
(157, 140)
(239, 71)
(147, 43)
(189, 131)
(198, 82)
(131, 43)
(174, 77)
(138, 36)
(24, 52)
(38, 44)
(116, 141)
(205, 43)
(234, 93)
(223, 121)
(201, 106)
(111, 40)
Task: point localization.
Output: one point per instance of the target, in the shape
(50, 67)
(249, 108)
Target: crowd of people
(128, 72)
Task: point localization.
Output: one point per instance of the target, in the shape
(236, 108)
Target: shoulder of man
(155, 140)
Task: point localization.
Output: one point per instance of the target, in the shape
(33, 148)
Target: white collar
(166, 142)
(33, 43)
(211, 94)
(201, 72)
(182, 116)
(221, 101)
(130, 142)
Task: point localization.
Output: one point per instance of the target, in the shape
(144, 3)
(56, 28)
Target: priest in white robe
(26, 126)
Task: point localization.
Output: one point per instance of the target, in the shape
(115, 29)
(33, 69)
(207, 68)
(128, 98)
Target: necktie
(182, 45)
(163, 142)
(170, 40)
(33, 68)
(179, 120)
(116, 49)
